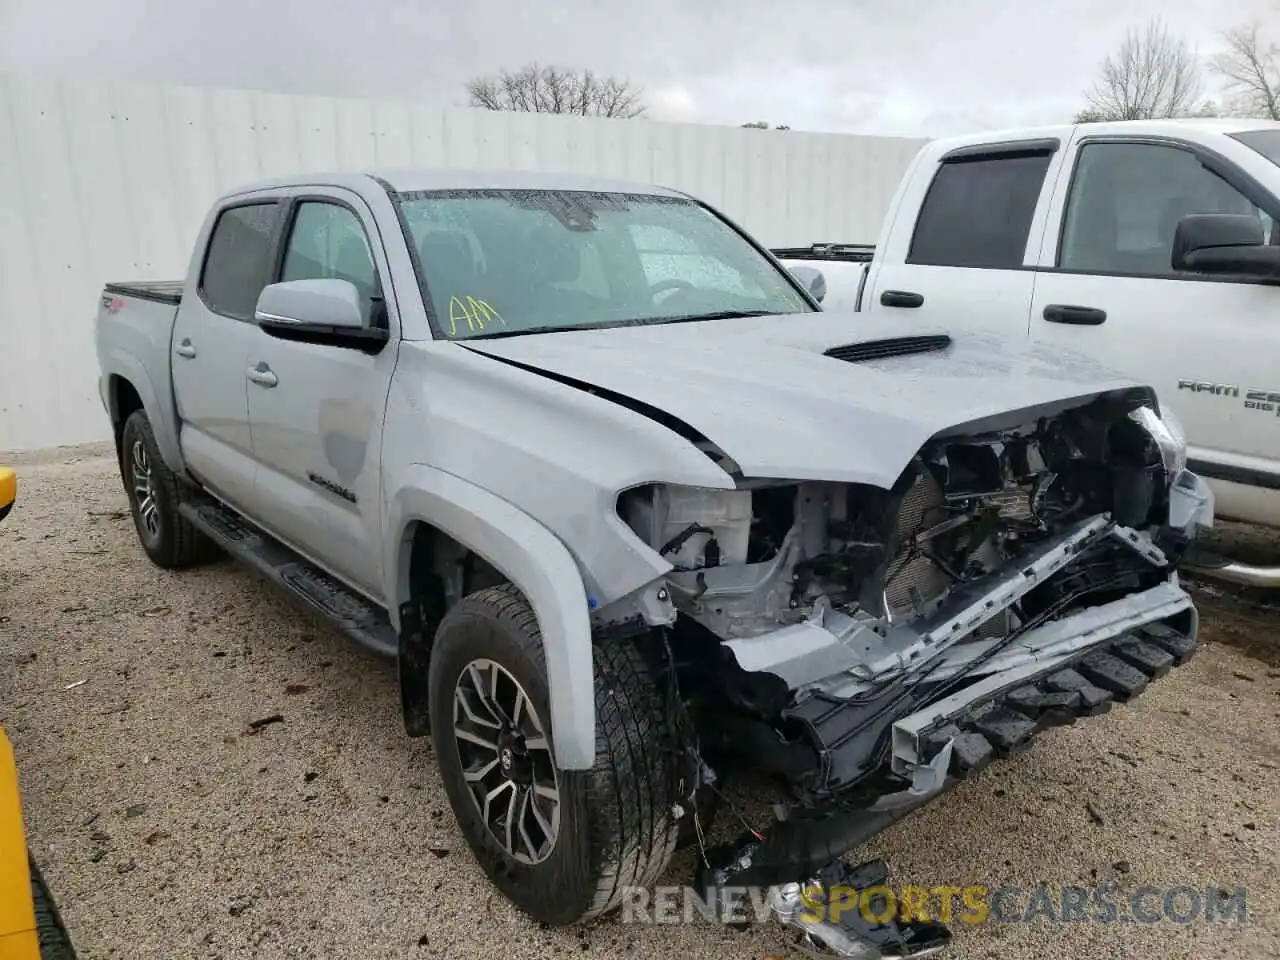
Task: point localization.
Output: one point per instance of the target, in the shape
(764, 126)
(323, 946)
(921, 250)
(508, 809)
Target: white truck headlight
(1167, 434)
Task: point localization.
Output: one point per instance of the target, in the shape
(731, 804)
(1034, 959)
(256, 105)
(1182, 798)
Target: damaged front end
(870, 647)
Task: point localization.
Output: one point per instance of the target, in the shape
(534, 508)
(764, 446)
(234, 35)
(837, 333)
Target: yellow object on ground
(8, 490)
(18, 937)
(30, 927)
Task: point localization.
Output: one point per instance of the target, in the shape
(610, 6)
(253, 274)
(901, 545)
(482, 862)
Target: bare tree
(1250, 67)
(1154, 74)
(539, 89)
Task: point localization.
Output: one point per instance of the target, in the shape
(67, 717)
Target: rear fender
(118, 363)
(528, 555)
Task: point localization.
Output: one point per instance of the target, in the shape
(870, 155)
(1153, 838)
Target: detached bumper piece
(1087, 688)
(840, 914)
(810, 842)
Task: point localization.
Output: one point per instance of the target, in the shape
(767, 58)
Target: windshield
(507, 262)
(1265, 142)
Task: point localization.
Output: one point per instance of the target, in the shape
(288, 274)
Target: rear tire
(155, 494)
(614, 823)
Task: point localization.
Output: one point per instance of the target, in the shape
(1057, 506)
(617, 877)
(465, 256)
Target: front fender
(533, 559)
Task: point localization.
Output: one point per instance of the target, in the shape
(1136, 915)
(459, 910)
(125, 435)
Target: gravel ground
(168, 830)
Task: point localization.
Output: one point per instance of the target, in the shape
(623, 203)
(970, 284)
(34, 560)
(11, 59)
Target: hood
(761, 389)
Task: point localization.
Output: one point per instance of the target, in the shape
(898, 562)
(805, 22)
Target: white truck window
(978, 212)
(238, 262)
(1125, 202)
(327, 242)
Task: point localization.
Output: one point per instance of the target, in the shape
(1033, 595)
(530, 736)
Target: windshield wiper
(610, 324)
(716, 315)
(545, 328)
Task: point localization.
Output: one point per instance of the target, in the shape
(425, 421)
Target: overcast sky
(906, 67)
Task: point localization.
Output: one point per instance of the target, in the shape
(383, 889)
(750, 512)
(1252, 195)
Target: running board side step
(1213, 566)
(335, 602)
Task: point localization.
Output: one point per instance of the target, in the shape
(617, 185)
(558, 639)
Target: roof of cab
(411, 180)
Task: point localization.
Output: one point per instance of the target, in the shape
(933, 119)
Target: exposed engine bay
(753, 567)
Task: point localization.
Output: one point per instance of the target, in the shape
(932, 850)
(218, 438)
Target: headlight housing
(1167, 434)
(691, 527)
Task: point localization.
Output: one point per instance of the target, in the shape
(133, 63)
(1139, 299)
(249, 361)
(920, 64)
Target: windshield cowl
(642, 322)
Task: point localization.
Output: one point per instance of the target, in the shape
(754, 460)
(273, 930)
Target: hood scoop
(893, 347)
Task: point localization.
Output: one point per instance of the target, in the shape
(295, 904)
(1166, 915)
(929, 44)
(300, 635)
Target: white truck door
(210, 344)
(1208, 345)
(316, 410)
(963, 235)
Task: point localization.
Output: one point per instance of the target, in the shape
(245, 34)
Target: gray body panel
(761, 389)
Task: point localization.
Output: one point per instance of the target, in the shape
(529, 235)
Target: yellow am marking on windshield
(475, 313)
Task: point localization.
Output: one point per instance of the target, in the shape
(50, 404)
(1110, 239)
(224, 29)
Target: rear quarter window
(238, 262)
(978, 212)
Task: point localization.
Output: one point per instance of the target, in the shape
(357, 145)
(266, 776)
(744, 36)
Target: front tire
(562, 845)
(155, 494)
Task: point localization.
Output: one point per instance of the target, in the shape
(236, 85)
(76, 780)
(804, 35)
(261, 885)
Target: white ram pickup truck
(633, 513)
(1152, 245)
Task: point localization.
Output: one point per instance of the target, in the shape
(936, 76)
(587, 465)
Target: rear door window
(978, 212)
(239, 259)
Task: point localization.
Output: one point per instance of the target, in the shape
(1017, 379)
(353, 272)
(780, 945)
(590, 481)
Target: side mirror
(324, 312)
(812, 280)
(1228, 244)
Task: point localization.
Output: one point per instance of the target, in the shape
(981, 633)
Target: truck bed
(161, 291)
(133, 330)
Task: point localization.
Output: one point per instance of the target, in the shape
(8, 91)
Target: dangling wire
(737, 813)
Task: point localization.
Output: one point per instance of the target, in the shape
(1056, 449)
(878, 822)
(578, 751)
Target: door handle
(901, 298)
(186, 349)
(263, 376)
(1079, 316)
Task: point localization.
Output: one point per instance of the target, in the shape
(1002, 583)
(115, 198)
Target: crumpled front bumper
(1066, 669)
(929, 710)
(1110, 654)
(1052, 675)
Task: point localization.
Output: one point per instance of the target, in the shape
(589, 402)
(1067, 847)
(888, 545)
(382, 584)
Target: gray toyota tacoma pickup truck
(634, 515)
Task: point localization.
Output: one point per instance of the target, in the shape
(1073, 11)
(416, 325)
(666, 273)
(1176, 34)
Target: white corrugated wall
(110, 181)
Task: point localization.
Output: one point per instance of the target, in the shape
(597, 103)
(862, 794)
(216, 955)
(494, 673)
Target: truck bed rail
(161, 291)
